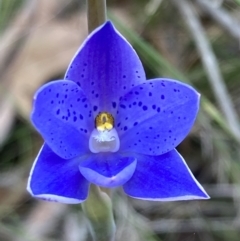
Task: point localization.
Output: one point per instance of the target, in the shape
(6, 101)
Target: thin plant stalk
(96, 13)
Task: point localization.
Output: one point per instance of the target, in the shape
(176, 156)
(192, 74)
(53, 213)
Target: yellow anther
(104, 121)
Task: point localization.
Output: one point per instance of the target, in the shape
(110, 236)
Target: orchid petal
(106, 67)
(154, 117)
(63, 116)
(108, 170)
(55, 179)
(164, 178)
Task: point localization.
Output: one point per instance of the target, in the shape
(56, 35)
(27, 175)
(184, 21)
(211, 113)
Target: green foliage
(7, 10)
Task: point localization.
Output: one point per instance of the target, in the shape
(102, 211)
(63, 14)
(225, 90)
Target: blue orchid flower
(106, 124)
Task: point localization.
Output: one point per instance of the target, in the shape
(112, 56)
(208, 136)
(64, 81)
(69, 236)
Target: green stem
(96, 13)
(98, 210)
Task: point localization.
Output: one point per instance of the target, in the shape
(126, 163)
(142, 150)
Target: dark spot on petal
(144, 107)
(162, 97)
(114, 105)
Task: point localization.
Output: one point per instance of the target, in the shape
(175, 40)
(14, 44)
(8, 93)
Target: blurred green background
(194, 41)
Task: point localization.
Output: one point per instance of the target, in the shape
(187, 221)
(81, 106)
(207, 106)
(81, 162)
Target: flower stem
(96, 11)
(98, 209)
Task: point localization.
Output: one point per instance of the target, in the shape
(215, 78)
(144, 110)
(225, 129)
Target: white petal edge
(179, 198)
(49, 197)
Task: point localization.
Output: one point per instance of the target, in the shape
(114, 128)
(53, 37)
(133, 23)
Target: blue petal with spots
(154, 117)
(53, 178)
(63, 116)
(163, 178)
(106, 67)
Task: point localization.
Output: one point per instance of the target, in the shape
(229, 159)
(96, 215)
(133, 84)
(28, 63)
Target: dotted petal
(63, 116)
(154, 117)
